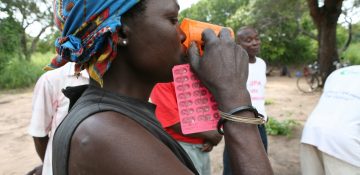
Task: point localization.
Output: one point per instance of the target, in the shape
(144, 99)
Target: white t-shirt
(50, 106)
(256, 84)
(334, 125)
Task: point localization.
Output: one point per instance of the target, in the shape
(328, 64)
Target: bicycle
(340, 64)
(309, 80)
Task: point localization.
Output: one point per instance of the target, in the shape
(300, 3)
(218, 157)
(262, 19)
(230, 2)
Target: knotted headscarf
(89, 33)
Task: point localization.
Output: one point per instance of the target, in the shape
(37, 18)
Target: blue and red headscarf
(89, 33)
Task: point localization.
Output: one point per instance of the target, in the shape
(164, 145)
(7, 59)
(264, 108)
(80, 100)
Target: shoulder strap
(85, 109)
(63, 135)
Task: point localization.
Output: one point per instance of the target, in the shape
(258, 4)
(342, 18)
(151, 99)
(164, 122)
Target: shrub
(20, 74)
(353, 54)
(9, 40)
(275, 127)
(268, 102)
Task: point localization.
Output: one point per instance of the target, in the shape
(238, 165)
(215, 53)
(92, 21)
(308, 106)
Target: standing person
(128, 46)
(196, 145)
(248, 38)
(49, 107)
(330, 142)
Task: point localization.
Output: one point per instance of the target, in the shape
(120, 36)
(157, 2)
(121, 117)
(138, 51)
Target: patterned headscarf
(89, 33)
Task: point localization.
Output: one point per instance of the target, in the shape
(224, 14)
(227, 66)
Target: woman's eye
(174, 20)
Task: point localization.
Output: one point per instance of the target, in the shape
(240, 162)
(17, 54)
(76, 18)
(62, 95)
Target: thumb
(194, 56)
(205, 147)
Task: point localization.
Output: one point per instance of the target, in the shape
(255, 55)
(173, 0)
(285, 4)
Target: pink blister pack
(198, 110)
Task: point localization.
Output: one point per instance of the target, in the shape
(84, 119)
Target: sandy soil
(18, 154)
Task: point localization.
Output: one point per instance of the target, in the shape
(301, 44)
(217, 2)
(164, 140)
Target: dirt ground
(286, 102)
(18, 155)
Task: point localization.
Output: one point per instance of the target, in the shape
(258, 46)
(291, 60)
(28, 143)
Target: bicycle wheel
(307, 84)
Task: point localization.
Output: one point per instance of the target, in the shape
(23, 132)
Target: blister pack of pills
(197, 107)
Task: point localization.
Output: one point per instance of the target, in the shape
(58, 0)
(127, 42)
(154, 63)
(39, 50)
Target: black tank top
(87, 100)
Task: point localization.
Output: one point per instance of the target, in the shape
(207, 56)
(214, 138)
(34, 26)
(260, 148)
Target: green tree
(352, 53)
(46, 44)
(213, 11)
(9, 40)
(289, 33)
(285, 32)
(325, 15)
(357, 3)
(356, 32)
(28, 12)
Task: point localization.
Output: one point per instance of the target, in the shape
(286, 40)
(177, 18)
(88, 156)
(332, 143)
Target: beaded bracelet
(258, 120)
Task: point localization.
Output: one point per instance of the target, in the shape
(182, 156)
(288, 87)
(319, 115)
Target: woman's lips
(183, 49)
(184, 54)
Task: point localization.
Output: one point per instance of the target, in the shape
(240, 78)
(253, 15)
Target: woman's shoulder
(105, 130)
(113, 138)
(107, 122)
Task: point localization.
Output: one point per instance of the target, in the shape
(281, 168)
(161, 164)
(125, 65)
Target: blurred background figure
(50, 106)
(330, 142)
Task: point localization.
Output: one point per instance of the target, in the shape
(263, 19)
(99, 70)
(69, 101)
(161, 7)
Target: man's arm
(40, 146)
(42, 111)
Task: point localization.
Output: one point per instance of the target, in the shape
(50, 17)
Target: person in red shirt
(197, 145)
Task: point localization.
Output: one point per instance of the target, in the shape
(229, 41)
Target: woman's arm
(223, 68)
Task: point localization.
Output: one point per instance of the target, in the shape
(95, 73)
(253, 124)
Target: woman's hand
(223, 68)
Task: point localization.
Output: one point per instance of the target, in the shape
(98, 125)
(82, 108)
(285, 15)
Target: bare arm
(224, 70)
(40, 146)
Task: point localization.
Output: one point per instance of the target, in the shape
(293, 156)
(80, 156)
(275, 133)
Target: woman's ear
(124, 32)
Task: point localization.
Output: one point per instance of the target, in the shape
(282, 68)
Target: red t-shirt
(164, 97)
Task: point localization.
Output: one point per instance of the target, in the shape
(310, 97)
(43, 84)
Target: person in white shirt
(49, 107)
(330, 142)
(248, 38)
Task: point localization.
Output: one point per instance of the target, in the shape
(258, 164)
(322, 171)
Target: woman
(128, 46)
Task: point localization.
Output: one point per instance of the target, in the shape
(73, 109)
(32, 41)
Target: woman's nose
(182, 34)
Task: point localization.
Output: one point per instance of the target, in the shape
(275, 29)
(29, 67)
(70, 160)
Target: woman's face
(155, 40)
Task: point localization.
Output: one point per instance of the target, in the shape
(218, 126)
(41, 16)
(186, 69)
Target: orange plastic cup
(193, 30)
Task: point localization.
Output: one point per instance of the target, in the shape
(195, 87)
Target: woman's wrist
(230, 101)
